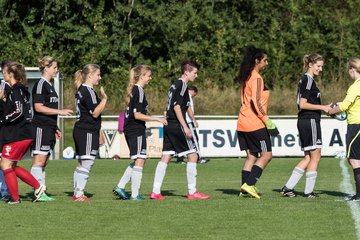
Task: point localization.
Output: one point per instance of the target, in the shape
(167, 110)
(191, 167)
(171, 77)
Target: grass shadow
(89, 195)
(229, 191)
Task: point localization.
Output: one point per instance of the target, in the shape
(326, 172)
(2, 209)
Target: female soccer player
(45, 106)
(254, 125)
(351, 104)
(16, 134)
(4, 88)
(177, 135)
(86, 131)
(134, 129)
(309, 114)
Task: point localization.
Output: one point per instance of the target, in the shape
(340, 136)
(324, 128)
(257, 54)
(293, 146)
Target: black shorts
(136, 140)
(86, 143)
(175, 141)
(353, 141)
(44, 141)
(256, 142)
(309, 133)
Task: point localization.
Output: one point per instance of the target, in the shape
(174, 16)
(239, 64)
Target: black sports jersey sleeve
(138, 103)
(86, 101)
(178, 95)
(44, 92)
(17, 115)
(307, 89)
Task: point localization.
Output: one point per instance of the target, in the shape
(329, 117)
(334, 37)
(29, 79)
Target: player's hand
(188, 132)
(195, 123)
(58, 134)
(65, 112)
(102, 93)
(162, 120)
(327, 108)
(2, 94)
(271, 127)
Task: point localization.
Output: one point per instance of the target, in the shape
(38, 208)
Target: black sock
(255, 174)
(244, 176)
(357, 180)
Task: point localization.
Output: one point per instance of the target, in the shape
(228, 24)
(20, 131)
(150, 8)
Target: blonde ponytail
(78, 79)
(135, 73)
(80, 75)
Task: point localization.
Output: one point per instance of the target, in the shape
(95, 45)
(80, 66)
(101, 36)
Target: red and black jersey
(177, 95)
(44, 92)
(138, 103)
(16, 120)
(307, 89)
(86, 100)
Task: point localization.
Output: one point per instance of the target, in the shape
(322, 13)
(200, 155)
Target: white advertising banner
(218, 138)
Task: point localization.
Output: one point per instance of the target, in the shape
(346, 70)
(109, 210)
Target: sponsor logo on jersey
(7, 150)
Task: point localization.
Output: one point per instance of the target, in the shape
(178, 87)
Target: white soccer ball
(341, 116)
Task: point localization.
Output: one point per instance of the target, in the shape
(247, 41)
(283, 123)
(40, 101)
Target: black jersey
(307, 89)
(44, 92)
(178, 95)
(86, 100)
(16, 120)
(138, 103)
(6, 88)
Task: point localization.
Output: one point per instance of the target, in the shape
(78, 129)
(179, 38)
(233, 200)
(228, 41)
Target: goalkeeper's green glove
(271, 127)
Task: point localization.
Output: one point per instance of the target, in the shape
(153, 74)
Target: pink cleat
(81, 199)
(156, 196)
(197, 195)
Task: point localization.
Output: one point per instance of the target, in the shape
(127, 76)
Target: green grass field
(224, 216)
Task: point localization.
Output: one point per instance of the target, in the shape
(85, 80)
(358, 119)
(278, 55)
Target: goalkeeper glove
(271, 127)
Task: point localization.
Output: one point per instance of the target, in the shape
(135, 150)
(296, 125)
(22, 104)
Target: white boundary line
(347, 187)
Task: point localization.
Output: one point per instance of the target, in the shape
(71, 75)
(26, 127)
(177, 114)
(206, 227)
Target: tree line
(118, 35)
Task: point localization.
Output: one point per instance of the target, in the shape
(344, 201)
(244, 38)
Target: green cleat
(45, 198)
(138, 198)
(120, 193)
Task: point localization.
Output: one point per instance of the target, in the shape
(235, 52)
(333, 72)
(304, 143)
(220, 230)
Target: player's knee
(87, 164)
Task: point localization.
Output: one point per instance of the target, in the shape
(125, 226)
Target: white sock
(294, 178)
(3, 187)
(159, 177)
(82, 177)
(136, 181)
(75, 178)
(126, 176)
(310, 181)
(191, 173)
(37, 172)
(43, 176)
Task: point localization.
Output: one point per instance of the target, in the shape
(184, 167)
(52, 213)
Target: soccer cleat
(39, 192)
(45, 198)
(311, 195)
(156, 196)
(244, 194)
(13, 202)
(197, 195)
(203, 160)
(137, 198)
(120, 193)
(250, 190)
(5, 198)
(287, 192)
(354, 198)
(81, 199)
